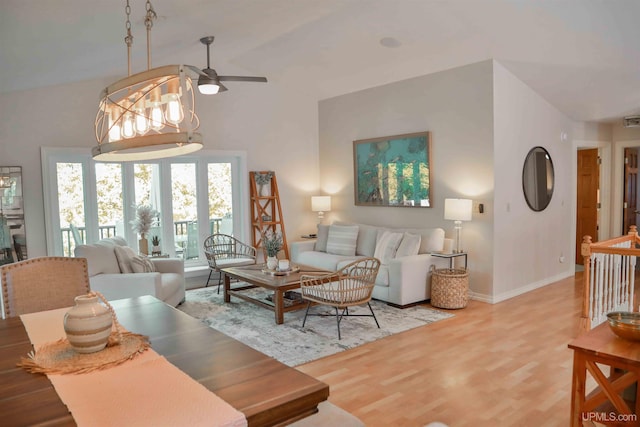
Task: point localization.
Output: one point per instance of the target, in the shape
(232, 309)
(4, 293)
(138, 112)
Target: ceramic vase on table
(143, 245)
(272, 262)
(88, 324)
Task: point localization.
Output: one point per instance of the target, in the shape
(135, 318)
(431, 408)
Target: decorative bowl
(625, 324)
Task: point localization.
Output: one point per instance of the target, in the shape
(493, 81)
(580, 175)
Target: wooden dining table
(266, 391)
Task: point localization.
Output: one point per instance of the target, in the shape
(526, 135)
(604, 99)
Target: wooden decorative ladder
(266, 212)
(609, 277)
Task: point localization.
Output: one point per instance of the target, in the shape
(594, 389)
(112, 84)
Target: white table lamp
(458, 210)
(320, 204)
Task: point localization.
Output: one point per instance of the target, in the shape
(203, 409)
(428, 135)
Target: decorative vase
(155, 250)
(143, 245)
(272, 262)
(88, 324)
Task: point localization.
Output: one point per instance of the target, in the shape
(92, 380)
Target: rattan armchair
(348, 287)
(43, 283)
(224, 251)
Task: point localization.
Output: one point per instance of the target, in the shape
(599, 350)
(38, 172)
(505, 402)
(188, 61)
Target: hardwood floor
(505, 364)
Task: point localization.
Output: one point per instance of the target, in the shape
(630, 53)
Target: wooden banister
(618, 272)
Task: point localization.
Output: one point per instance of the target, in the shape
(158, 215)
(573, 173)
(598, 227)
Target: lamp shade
(320, 203)
(458, 209)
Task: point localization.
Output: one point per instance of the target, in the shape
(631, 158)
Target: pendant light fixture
(148, 115)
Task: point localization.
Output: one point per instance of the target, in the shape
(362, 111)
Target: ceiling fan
(209, 83)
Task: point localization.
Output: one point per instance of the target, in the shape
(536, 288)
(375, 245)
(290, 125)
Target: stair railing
(609, 277)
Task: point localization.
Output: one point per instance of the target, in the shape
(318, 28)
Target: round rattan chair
(223, 251)
(350, 286)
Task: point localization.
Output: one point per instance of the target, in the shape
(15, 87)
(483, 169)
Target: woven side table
(449, 287)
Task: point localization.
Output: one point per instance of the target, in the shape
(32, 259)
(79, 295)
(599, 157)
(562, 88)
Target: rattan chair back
(43, 283)
(351, 285)
(223, 250)
(218, 247)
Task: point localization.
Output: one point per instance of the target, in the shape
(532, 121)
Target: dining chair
(350, 286)
(43, 283)
(224, 251)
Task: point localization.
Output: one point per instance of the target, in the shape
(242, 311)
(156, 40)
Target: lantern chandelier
(148, 115)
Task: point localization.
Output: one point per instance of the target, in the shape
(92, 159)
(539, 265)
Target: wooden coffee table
(255, 277)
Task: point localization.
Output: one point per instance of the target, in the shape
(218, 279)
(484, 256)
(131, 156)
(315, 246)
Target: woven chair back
(222, 246)
(351, 285)
(43, 283)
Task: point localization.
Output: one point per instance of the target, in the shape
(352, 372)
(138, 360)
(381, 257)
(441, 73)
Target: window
(194, 196)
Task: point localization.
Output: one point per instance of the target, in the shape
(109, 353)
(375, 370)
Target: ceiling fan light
(208, 88)
(209, 84)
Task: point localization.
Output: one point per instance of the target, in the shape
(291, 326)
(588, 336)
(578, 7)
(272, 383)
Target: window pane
(185, 209)
(220, 198)
(71, 205)
(109, 196)
(147, 192)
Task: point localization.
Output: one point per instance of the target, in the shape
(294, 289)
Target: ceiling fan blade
(242, 79)
(222, 88)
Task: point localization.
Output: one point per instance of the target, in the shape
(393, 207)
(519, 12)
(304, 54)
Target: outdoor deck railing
(180, 230)
(609, 277)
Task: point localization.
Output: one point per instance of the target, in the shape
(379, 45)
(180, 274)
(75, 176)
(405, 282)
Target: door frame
(604, 217)
(618, 185)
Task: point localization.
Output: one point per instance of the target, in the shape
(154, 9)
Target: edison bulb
(174, 112)
(157, 119)
(128, 126)
(156, 116)
(142, 123)
(114, 126)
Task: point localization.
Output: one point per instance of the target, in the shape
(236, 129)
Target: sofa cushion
(101, 259)
(140, 264)
(322, 237)
(431, 239)
(367, 238)
(342, 239)
(410, 245)
(387, 245)
(324, 261)
(124, 254)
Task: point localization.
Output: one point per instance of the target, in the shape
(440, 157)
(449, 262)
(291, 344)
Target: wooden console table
(605, 404)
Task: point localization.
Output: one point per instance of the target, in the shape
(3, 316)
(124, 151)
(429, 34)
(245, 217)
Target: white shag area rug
(292, 344)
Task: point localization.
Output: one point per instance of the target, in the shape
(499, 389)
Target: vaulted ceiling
(583, 56)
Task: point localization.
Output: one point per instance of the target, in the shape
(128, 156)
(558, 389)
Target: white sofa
(111, 276)
(404, 277)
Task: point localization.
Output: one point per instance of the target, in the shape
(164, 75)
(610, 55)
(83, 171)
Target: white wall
(528, 244)
(275, 124)
(456, 107)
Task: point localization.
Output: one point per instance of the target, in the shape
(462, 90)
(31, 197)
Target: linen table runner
(147, 390)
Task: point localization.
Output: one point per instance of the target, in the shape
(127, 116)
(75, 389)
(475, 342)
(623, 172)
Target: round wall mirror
(538, 179)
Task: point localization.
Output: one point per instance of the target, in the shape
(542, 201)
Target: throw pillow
(410, 245)
(141, 264)
(342, 239)
(321, 238)
(124, 255)
(387, 245)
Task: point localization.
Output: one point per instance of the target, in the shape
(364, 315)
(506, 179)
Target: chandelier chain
(148, 22)
(129, 37)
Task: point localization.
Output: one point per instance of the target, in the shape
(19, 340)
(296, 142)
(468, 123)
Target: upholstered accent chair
(352, 285)
(224, 251)
(43, 283)
(116, 271)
